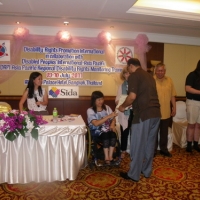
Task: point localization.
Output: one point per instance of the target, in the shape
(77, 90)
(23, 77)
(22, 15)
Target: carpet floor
(176, 178)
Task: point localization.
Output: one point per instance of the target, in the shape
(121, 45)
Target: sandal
(107, 162)
(112, 162)
(123, 153)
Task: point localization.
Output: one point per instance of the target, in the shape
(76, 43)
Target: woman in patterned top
(35, 95)
(101, 121)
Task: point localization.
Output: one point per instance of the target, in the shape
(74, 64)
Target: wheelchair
(95, 153)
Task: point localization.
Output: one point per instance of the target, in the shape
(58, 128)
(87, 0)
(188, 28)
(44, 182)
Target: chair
(4, 107)
(179, 125)
(95, 152)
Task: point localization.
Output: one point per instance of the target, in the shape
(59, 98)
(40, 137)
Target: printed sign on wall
(4, 50)
(63, 92)
(123, 53)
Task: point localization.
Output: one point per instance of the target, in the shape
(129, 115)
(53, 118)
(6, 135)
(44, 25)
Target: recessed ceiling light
(178, 5)
(17, 22)
(66, 23)
(181, 9)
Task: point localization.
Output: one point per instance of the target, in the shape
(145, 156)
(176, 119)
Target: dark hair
(30, 85)
(197, 70)
(133, 61)
(96, 95)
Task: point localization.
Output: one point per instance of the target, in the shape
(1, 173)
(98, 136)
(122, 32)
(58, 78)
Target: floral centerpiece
(14, 123)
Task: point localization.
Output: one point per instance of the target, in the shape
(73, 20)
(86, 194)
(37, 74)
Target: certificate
(121, 101)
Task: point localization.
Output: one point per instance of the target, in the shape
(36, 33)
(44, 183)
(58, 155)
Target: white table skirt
(58, 154)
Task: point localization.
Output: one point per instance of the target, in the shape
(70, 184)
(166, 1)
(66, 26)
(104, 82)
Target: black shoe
(189, 149)
(125, 176)
(167, 154)
(196, 148)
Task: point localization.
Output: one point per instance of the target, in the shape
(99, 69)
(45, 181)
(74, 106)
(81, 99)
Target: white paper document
(121, 101)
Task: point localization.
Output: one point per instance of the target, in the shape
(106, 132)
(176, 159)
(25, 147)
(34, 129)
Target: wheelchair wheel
(88, 143)
(117, 151)
(95, 152)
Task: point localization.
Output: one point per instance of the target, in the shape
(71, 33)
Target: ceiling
(95, 14)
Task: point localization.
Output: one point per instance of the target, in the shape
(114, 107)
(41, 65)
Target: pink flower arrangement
(14, 123)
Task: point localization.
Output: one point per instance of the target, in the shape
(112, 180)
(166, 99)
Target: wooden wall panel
(69, 106)
(64, 106)
(155, 53)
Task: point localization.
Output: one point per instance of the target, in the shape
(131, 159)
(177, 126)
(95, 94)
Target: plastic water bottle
(55, 115)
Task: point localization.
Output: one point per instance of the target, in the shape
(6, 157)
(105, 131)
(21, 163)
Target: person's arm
(45, 99)
(173, 101)
(129, 100)
(191, 90)
(22, 100)
(99, 122)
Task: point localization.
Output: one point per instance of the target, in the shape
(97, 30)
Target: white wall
(153, 37)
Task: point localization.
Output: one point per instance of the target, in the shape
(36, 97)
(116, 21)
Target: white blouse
(32, 103)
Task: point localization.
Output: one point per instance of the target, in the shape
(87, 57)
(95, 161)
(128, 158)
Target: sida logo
(63, 92)
(4, 50)
(69, 92)
(54, 92)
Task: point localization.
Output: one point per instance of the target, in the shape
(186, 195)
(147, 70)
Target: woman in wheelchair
(101, 122)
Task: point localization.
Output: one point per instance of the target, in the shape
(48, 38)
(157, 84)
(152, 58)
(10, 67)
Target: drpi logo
(3, 50)
(54, 92)
(124, 54)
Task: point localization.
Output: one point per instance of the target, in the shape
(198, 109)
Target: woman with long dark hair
(36, 96)
(101, 121)
(192, 88)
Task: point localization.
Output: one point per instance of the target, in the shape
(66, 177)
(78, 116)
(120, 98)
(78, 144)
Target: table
(58, 154)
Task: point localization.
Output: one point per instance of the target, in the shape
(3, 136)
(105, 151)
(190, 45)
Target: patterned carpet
(176, 178)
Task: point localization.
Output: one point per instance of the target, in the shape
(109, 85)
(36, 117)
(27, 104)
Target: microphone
(36, 100)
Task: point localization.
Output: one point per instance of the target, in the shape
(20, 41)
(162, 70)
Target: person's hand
(38, 103)
(113, 114)
(173, 113)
